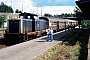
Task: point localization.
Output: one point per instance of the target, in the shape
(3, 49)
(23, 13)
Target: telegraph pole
(22, 8)
(41, 10)
(3, 24)
(37, 9)
(11, 8)
(11, 3)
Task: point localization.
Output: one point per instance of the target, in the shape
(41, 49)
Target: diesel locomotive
(30, 25)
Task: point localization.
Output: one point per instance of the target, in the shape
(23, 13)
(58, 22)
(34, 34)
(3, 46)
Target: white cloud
(28, 6)
(56, 9)
(17, 4)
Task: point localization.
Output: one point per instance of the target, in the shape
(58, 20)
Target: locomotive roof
(28, 14)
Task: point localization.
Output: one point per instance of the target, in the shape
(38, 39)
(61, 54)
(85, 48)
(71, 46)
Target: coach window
(54, 23)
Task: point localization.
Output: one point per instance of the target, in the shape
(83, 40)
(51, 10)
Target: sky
(40, 7)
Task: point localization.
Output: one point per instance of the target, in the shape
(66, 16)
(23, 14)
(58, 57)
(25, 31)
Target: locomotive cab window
(14, 26)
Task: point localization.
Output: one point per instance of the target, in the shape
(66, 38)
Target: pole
(3, 28)
(3, 24)
(11, 3)
(22, 8)
(37, 9)
(11, 9)
(41, 10)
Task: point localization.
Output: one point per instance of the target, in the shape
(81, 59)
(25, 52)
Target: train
(30, 25)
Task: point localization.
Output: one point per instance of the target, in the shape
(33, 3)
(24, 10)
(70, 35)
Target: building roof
(84, 7)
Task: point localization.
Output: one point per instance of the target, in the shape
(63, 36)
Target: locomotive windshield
(14, 26)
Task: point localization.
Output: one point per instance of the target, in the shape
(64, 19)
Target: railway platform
(31, 49)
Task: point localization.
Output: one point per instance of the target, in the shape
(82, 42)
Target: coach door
(57, 25)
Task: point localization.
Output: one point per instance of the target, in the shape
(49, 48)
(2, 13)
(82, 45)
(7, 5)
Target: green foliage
(49, 15)
(84, 24)
(66, 43)
(62, 51)
(2, 20)
(5, 8)
(60, 16)
(18, 11)
(67, 15)
(77, 12)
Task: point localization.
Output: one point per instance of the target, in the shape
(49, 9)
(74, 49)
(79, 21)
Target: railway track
(2, 41)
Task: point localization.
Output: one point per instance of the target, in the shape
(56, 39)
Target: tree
(78, 12)
(2, 20)
(5, 8)
(78, 15)
(49, 15)
(18, 11)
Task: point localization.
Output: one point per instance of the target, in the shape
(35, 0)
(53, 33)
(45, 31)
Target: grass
(61, 51)
(75, 47)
